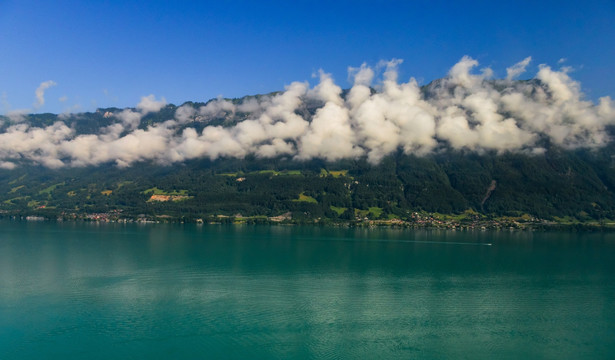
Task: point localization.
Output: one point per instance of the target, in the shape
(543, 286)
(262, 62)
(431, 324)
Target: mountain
(556, 184)
(491, 149)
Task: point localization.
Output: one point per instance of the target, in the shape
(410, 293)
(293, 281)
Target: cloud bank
(378, 115)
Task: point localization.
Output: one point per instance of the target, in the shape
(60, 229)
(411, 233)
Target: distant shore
(416, 220)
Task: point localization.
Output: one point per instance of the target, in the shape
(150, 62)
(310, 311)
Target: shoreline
(496, 224)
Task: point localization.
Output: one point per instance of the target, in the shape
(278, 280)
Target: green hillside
(556, 185)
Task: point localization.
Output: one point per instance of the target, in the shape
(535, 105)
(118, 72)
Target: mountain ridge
(323, 153)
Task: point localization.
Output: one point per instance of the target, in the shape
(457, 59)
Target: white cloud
(460, 72)
(7, 165)
(40, 93)
(149, 104)
(19, 115)
(519, 68)
(216, 108)
(185, 113)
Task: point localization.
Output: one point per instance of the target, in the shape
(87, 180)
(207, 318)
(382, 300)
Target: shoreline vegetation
(468, 220)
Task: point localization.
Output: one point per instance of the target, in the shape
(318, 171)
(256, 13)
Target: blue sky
(111, 53)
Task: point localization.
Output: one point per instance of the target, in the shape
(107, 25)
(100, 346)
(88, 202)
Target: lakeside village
(468, 220)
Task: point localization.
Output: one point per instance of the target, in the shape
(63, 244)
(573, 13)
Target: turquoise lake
(157, 291)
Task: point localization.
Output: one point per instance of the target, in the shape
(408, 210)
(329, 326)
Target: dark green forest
(557, 184)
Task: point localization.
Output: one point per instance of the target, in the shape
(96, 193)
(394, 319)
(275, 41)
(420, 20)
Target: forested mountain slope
(462, 143)
(557, 183)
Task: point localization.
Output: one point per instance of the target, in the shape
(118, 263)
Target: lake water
(102, 291)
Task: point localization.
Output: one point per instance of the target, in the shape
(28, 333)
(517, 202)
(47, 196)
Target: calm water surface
(101, 291)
